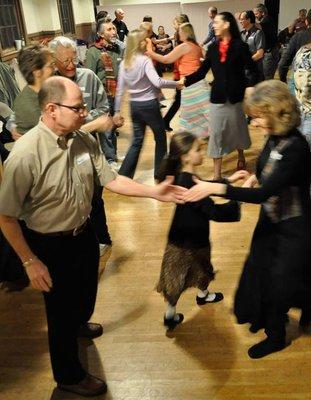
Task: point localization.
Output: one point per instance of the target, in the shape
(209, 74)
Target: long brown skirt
(183, 268)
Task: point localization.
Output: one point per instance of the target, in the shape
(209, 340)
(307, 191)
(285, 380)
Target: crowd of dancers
(67, 117)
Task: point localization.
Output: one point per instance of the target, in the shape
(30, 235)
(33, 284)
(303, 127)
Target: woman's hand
(250, 182)
(242, 174)
(180, 84)
(203, 189)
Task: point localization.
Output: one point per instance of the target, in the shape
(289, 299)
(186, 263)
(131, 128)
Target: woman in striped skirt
(195, 99)
(228, 58)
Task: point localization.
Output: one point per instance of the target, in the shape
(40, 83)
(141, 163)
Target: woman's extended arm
(171, 57)
(289, 165)
(155, 79)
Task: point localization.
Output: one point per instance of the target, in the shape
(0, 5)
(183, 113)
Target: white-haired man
(95, 98)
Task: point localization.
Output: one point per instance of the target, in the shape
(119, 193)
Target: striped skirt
(194, 109)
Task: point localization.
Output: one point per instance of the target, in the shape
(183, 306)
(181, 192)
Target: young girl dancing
(186, 261)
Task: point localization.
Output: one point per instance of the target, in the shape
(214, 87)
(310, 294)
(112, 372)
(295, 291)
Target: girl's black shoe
(171, 323)
(204, 300)
(265, 347)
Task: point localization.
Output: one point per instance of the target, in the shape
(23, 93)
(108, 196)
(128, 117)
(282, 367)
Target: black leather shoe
(171, 323)
(265, 347)
(89, 386)
(203, 300)
(168, 128)
(90, 330)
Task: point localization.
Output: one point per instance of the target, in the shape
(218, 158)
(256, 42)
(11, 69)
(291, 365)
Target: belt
(71, 232)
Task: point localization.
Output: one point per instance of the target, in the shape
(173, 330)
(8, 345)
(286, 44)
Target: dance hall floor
(205, 358)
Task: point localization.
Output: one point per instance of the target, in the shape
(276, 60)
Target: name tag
(275, 155)
(83, 158)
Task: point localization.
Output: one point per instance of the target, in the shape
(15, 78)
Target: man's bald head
(119, 13)
(55, 90)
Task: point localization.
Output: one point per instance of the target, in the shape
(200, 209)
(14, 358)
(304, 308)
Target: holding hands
(241, 174)
(118, 120)
(250, 182)
(203, 189)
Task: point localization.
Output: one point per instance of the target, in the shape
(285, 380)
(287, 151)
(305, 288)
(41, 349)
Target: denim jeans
(108, 140)
(145, 113)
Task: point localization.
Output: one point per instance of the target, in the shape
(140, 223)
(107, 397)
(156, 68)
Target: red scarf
(223, 50)
(110, 78)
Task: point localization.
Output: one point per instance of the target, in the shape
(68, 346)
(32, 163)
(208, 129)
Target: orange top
(190, 62)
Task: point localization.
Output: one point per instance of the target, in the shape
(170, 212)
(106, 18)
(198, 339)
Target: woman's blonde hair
(181, 19)
(133, 46)
(273, 101)
(188, 30)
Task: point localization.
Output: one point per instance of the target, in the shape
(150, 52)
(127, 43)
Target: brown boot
(88, 387)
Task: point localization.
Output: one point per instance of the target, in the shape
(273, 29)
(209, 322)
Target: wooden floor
(204, 359)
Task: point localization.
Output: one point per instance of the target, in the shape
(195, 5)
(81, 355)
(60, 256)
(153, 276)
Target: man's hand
(238, 175)
(39, 276)
(103, 123)
(118, 120)
(15, 134)
(166, 191)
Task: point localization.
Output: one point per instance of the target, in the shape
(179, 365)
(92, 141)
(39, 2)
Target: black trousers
(73, 265)
(173, 108)
(98, 216)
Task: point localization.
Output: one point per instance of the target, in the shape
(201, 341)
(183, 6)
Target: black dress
(187, 258)
(277, 272)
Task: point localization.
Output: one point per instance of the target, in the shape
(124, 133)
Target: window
(11, 27)
(66, 16)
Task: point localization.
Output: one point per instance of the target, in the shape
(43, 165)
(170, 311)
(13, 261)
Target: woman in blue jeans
(139, 76)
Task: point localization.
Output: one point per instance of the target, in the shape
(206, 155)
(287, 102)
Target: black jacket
(229, 77)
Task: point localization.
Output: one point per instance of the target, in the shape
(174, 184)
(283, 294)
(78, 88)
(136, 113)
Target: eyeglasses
(77, 109)
(74, 61)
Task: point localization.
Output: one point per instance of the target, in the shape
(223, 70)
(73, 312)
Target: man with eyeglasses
(48, 182)
(95, 97)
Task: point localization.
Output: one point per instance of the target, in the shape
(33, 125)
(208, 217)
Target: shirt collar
(54, 139)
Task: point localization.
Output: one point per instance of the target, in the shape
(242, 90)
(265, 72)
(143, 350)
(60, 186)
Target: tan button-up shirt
(50, 186)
